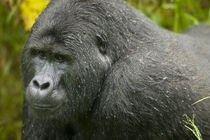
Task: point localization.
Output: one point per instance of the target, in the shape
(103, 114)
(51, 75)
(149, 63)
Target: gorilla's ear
(102, 43)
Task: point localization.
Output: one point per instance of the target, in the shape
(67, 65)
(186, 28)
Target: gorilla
(101, 70)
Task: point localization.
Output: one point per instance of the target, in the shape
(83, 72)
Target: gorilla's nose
(41, 85)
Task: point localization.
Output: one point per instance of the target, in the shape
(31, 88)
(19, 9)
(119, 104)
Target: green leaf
(192, 18)
(169, 6)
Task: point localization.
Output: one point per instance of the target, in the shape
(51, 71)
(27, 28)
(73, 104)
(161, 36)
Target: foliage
(190, 124)
(17, 17)
(208, 97)
(12, 38)
(175, 15)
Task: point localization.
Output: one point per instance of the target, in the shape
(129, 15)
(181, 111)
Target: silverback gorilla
(100, 70)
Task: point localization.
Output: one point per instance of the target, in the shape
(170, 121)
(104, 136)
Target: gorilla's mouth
(44, 106)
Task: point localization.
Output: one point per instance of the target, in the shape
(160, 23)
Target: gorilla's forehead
(74, 25)
(70, 20)
(63, 12)
(68, 14)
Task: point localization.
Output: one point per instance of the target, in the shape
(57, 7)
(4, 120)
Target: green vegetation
(190, 124)
(12, 38)
(208, 97)
(175, 15)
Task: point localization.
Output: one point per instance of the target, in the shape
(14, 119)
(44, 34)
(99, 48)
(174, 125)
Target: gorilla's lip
(43, 106)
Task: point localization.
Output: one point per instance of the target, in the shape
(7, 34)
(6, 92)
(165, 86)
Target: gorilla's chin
(44, 114)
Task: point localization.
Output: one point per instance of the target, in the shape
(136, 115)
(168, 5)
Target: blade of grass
(190, 124)
(201, 100)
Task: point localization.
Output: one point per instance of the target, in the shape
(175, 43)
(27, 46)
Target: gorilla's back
(201, 31)
(201, 46)
(190, 49)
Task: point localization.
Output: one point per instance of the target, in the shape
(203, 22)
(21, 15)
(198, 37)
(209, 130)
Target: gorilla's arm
(140, 93)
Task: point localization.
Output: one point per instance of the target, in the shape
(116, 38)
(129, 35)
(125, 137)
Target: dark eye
(42, 54)
(38, 53)
(34, 52)
(59, 58)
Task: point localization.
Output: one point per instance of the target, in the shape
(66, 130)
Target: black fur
(122, 77)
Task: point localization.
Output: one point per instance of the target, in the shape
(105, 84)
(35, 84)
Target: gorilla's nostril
(45, 85)
(36, 84)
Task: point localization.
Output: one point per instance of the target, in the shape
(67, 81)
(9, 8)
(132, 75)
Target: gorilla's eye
(33, 52)
(59, 58)
(38, 53)
(42, 54)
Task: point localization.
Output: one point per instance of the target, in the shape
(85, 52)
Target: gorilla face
(62, 77)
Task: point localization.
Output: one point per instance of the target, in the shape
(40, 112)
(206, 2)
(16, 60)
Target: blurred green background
(16, 18)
